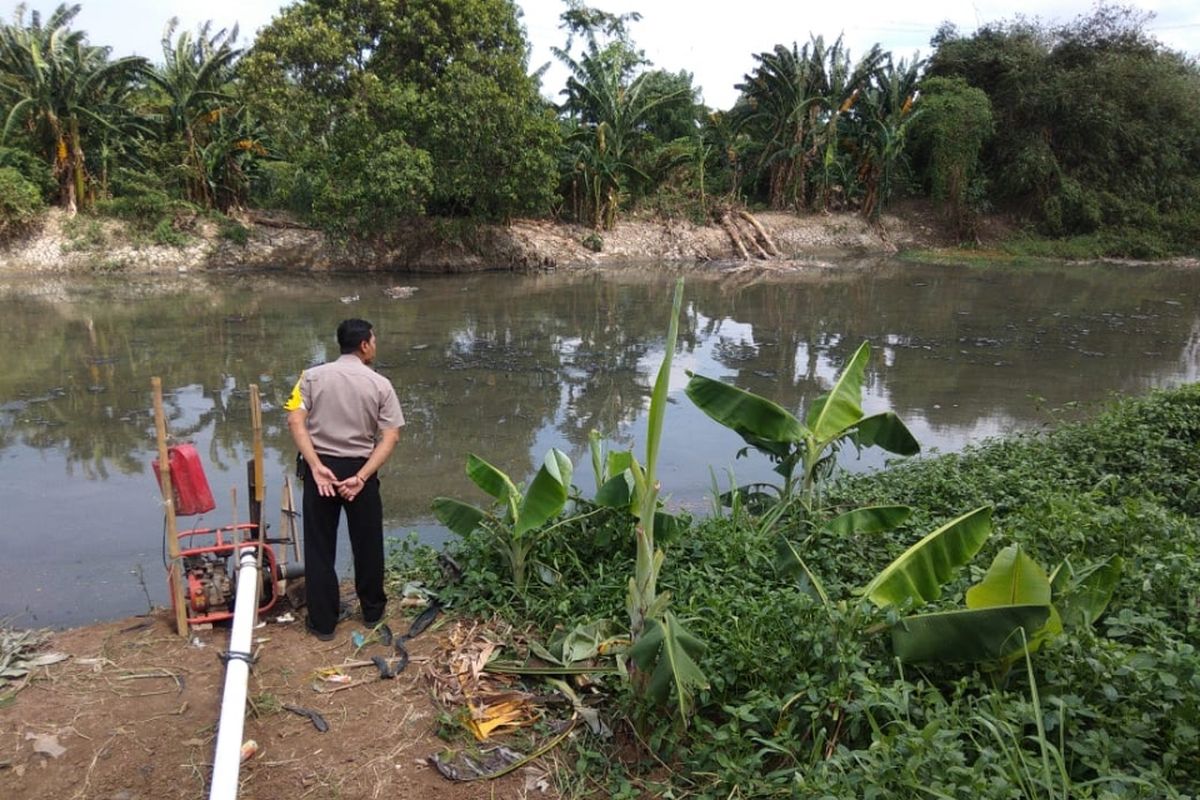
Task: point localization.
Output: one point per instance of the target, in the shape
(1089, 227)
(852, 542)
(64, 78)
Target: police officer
(345, 419)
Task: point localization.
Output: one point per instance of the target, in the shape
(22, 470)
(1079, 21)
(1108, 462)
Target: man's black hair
(351, 333)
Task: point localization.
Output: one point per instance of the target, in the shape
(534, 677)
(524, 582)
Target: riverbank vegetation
(1082, 135)
(806, 667)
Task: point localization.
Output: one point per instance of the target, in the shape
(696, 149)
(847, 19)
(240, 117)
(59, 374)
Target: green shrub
(233, 231)
(165, 233)
(32, 168)
(284, 185)
(84, 233)
(20, 202)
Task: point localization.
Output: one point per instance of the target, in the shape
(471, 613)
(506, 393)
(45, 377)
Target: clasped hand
(328, 484)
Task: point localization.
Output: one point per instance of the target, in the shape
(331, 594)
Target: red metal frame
(219, 545)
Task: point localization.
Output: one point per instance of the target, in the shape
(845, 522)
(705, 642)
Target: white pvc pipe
(227, 761)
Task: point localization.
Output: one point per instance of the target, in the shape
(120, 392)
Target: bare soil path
(134, 711)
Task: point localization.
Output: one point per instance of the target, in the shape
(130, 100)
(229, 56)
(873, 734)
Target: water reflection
(507, 366)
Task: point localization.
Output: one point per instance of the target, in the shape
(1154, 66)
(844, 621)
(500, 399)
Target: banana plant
(618, 489)
(517, 527)
(1013, 610)
(916, 577)
(831, 421)
(835, 418)
(664, 652)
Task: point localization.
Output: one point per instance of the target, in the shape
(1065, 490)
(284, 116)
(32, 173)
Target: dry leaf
(46, 659)
(505, 714)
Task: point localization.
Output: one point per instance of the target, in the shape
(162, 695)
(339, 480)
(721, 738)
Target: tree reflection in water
(508, 365)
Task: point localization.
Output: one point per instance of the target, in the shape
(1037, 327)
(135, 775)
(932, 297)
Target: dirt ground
(134, 710)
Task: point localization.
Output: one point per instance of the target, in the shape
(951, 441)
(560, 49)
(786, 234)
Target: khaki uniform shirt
(348, 403)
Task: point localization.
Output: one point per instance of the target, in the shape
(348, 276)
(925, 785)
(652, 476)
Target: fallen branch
(761, 233)
(271, 222)
(734, 236)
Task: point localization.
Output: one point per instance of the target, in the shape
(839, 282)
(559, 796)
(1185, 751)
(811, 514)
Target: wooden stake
(175, 567)
(288, 505)
(259, 480)
(256, 500)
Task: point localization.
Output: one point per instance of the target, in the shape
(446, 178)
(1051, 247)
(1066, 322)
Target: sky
(716, 45)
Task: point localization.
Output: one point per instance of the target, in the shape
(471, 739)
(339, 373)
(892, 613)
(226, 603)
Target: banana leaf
(967, 636)
(619, 461)
(887, 431)
(1013, 579)
(790, 563)
(658, 400)
(1081, 596)
(490, 479)
(753, 497)
(668, 527)
(461, 518)
(920, 571)
(833, 413)
(1016, 579)
(762, 423)
(667, 648)
(547, 493)
(617, 492)
(868, 519)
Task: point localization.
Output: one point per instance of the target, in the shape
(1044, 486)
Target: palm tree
(886, 111)
(193, 80)
(792, 106)
(607, 113)
(59, 89)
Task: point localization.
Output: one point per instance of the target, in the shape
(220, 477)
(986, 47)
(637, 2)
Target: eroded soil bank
(271, 241)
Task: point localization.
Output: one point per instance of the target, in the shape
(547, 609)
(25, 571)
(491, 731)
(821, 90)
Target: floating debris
(400, 292)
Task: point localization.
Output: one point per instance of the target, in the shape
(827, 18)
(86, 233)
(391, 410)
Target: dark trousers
(364, 517)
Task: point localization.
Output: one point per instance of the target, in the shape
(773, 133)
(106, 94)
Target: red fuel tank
(192, 495)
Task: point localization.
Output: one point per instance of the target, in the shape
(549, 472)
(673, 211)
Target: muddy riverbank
(97, 245)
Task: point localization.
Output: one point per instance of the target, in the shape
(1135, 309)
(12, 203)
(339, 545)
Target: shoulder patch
(294, 401)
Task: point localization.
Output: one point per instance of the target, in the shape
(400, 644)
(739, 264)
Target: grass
(84, 233)
(804, 701)
(1031, 249)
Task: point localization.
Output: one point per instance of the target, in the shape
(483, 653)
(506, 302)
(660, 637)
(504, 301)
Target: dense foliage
(398, 108)
(354, 114)
(804, 699)
(1096, 124)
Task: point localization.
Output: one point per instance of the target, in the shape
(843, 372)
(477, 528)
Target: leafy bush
(165, 233)
(233, 231)
(285, 185)
(32, 168)
(151, 211)
(84, 233)
(20, 202)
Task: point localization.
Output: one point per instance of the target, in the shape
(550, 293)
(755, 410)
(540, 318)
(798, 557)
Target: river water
(507, 366)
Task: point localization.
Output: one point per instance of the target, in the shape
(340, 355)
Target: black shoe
(324, 637)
